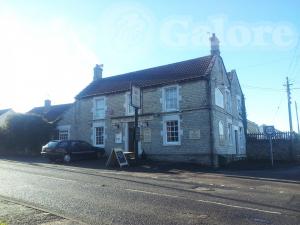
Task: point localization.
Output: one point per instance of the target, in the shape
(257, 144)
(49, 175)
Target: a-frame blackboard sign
(118, 156)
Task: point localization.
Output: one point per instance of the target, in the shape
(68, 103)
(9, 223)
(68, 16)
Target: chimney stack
(47, 104)
(214, 45)
(98, 71)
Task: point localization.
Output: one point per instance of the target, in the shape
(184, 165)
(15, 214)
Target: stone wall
(225, 82)
(282, 150)
(193, 113)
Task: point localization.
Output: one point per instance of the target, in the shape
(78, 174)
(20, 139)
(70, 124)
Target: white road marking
(239, 207)
(206, 201)
(171, 196)
(56, 178)
(152, 193)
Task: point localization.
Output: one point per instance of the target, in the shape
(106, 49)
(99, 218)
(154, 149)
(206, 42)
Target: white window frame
(228, 101)
(221, 132)
(165, 109)
(219, 98)
(64, 128)
(95, 125)
(164, 132)
(230, 133)
(95, 108)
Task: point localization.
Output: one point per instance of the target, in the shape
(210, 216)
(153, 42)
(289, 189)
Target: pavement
(13, 213)
(87, 192)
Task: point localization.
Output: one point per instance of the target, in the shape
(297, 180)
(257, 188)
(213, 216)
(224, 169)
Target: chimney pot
(214, 43)
(47, 103)
(98, 71)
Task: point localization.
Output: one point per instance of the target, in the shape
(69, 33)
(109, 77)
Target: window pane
(229, 132)
(221, 132)
(63, 135)
(99, 135)
(171, 98)
(172, 131)
(100, 103)
(99, 111)
(219, 98)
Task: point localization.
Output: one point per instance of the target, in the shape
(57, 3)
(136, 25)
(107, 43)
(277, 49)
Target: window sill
(170, 110)
(100, 146)
(172, 144)
(100, 118)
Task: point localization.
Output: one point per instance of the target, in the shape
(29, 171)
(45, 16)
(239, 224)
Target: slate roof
(252, 127)
(2, 111)
(180, 71)
(52, 113)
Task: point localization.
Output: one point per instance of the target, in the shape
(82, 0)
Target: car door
(86, 150)
(75, 150)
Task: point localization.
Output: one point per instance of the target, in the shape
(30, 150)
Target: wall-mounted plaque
(194, 134)
(147, 135)
(118, 138)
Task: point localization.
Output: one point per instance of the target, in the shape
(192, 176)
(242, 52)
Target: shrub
(24, 133)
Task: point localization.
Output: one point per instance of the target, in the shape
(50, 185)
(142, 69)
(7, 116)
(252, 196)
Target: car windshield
(52, 144)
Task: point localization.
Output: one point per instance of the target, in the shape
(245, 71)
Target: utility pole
(297, 117)
(288, 90)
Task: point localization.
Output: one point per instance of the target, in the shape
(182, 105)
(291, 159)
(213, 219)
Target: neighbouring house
(53, 114)
(192, 111)
(4, 113)
(252, 127)
(262, 127)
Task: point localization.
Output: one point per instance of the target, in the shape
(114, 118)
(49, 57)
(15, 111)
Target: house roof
(2, 111)
(252, 127)
(180, 71)
(51, 113)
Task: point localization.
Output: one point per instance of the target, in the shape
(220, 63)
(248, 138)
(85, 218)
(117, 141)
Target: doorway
(131, 136)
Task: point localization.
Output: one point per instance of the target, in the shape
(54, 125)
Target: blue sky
(49, 48)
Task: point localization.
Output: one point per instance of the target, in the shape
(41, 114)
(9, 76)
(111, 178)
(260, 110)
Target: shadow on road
(170, 169)
(283, 172)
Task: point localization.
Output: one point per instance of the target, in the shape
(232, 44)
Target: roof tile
(193, 68)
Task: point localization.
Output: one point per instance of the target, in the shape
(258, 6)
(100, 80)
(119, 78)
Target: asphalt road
(99, 196)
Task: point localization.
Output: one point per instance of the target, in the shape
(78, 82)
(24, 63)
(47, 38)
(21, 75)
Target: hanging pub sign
(135, 96)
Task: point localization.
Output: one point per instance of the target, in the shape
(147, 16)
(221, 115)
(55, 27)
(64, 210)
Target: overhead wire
(291, 69)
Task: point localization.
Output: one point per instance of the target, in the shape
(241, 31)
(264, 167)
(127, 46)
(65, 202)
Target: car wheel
(99, 155)
(67, 158)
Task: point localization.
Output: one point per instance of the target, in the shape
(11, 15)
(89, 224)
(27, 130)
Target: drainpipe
(211, 123)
